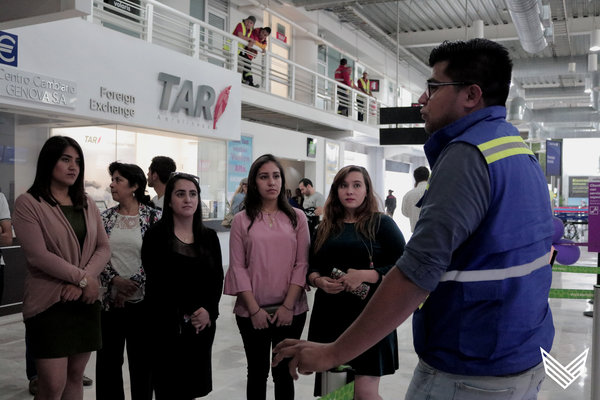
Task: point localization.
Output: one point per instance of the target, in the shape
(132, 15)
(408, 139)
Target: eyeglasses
(433, 86)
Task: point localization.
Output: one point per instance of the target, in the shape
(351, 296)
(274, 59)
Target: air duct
(525, 15)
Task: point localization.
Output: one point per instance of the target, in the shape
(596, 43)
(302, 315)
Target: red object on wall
(374, 85)
(282, 37)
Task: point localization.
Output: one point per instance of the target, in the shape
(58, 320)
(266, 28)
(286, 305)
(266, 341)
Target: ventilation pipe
(525, 15)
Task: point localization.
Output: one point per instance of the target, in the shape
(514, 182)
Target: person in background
(410, 209)
(124, 315)
(268, 261)
(390, 203)
(238, 197)
(476, 271)
(259, 35)
(343, 75)
(299, 198)
(6, 236)
(159, 172)
(243, 30)
(182, 260)
(65, 248)
(313, 203)
(292, 199)
(364, 85)
(364, 244)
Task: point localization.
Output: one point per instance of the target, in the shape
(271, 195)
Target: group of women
(160, 278)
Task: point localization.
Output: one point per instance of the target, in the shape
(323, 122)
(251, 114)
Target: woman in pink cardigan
(268, 260)
(66, 248)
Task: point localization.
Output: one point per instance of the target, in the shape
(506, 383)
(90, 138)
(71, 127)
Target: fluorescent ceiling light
(595, 40)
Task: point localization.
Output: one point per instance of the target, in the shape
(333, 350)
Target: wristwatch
(83, 283)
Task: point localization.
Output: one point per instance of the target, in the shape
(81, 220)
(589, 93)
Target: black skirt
(64, 329)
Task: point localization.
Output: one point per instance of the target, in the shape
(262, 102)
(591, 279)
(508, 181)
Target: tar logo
(8, 49)
(564, 375)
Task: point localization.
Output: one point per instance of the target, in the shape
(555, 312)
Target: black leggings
(257, 344)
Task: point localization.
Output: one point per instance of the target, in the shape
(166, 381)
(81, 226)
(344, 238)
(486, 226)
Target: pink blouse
(267, 259)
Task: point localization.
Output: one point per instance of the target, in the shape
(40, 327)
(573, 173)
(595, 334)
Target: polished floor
(573, 336)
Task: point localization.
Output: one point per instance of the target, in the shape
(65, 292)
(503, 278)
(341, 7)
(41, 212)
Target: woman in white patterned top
(123, 279)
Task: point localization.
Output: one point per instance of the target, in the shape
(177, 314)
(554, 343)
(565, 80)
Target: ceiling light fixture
(595, 40)
(592, 62)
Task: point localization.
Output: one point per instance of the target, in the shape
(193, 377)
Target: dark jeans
(257, 344)
(120, 325)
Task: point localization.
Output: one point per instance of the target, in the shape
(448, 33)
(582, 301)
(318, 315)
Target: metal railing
(159, 24)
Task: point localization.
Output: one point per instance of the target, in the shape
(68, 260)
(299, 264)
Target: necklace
(271, 217)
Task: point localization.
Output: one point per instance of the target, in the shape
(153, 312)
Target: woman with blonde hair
(355, 246)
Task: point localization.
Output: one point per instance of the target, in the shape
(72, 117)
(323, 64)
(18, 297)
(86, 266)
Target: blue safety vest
(489, 314)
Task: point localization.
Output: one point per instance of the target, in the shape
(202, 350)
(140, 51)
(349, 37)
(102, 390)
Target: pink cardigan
(267, 260)
(52, 250)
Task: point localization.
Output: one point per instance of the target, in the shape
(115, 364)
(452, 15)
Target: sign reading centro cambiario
(201, 107)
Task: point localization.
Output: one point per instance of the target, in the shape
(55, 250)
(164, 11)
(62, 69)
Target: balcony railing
(157, 23)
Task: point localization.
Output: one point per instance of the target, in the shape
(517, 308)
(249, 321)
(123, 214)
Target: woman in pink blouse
(268, 261)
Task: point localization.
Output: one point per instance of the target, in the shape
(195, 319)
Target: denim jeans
(429, 383)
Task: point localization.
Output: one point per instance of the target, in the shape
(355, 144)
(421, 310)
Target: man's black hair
(421, 174)
(305, 182)
(478, 61)
(163, 166)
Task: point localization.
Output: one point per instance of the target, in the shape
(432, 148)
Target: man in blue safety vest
(476, 268)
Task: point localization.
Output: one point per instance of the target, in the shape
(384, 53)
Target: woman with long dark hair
(184, 282)
(66, 248)
(268, 252)
(123, 280)
(355, 246)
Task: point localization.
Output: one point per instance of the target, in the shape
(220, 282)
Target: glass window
(102, 145)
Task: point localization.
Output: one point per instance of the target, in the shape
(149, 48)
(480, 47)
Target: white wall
(581, 157)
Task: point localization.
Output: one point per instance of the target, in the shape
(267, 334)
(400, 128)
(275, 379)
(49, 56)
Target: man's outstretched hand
(306, 357)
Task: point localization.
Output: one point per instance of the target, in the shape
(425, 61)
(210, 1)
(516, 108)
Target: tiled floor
(573, 336)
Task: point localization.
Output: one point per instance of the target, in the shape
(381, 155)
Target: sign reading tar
(8, 49)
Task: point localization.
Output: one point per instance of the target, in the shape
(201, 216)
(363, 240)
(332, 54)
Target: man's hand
(318, 211)
(306, 357)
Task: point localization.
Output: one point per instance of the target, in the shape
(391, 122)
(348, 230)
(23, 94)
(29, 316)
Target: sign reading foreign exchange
(37, 88)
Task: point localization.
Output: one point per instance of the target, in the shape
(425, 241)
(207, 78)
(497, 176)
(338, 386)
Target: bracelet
(252, 315)
(284, 306)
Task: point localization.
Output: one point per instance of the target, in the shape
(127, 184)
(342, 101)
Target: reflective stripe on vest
(516, 271)
(240, 44)
(503, 147)
(364, 85)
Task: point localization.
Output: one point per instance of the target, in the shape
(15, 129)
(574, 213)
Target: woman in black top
(184, 281)
(363, 244)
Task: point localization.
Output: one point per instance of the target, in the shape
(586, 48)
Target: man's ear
(474, 96)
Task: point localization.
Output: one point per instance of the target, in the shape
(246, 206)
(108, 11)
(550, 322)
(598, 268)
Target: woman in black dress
(184, 281)
(364, 244)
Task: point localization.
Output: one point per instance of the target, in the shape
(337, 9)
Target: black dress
(180, 279)
(333, 313)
